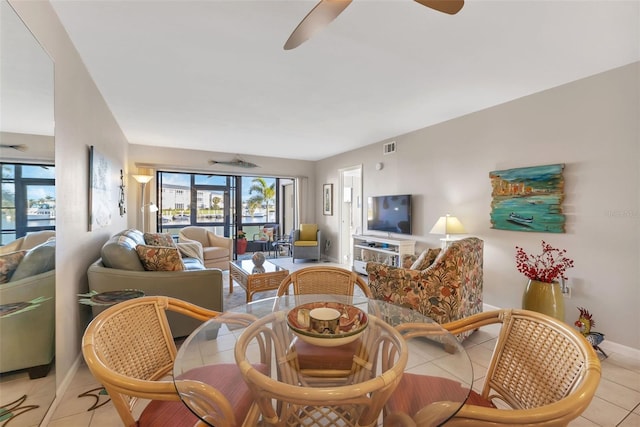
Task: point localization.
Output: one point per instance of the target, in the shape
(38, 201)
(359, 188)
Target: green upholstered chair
(306, 242)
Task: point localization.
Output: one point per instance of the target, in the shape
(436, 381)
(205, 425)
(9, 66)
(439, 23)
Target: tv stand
(385, 250)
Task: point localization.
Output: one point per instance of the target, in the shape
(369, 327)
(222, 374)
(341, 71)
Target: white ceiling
(212, 75)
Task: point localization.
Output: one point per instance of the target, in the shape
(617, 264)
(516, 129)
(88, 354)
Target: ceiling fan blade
(447, 6)
(320, 16)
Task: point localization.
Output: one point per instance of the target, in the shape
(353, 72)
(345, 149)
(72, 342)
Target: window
(28, 200)
(221, 203)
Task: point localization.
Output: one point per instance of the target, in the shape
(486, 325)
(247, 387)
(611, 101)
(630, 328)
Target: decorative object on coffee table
(543, 292)
(258, 259)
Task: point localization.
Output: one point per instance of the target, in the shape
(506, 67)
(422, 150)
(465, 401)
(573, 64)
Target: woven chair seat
(541, 369)
(228, 380)
(130, 350)
(417, 391)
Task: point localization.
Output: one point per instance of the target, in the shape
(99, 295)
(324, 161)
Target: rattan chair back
(130, 350)
(542, 369)
(290, 400)
(323, 280)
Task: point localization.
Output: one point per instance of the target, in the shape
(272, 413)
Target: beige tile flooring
(617, 401)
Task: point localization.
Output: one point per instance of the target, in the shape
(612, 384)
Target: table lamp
(447, 225)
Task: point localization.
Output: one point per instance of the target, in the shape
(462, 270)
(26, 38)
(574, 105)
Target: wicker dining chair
(323, 280)
(290, 400)
(319, 361)
(542, 372)
(130, 350)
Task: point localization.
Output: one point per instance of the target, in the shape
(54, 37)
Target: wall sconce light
(144, 179)
(447, 225)
(121, 202)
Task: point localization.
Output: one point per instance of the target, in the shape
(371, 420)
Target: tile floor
(617, 401)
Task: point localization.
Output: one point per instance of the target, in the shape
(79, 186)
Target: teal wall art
(528, 199)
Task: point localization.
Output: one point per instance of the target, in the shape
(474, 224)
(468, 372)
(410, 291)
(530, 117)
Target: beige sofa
(28, 333)
(120, 268)
(27, 242)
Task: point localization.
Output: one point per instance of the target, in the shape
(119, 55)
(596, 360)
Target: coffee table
(252, 280)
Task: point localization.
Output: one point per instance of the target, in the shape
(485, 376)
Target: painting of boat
(528, 199)
(514, 217)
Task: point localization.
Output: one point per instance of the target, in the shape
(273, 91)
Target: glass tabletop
(217, 344)
(249, 267)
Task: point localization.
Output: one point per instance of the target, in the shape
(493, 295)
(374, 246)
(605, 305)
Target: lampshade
(448, 225)
(152, 207)
(142, 179)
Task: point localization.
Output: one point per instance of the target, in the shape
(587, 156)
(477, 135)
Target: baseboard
(607, 346)
(60, 391)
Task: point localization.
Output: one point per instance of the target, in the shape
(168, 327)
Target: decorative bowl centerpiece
(327, 324)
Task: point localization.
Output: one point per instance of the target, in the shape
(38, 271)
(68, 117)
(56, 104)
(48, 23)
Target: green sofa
(120, 268)
(27, 322)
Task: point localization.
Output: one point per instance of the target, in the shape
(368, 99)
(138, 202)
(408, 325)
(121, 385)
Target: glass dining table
(267, 332)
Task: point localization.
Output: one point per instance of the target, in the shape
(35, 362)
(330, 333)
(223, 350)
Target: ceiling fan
(328, 10)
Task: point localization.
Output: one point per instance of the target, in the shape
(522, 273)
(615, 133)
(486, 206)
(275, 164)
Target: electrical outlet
(567, 292)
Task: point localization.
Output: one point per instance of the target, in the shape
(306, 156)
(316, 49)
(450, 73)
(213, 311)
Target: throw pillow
(9, 263)
(309, 232)
(160, 258)
(408, 260)
(159, 239)
(425, 259)
(38, 260)
(268, 232)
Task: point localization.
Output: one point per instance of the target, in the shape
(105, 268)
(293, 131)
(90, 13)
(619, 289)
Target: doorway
(350, 203)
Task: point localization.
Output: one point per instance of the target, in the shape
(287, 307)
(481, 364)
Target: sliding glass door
(223, 204)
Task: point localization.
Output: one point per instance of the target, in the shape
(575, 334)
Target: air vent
(389, 148)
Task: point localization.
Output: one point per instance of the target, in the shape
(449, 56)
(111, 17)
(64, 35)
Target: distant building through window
(28, 199)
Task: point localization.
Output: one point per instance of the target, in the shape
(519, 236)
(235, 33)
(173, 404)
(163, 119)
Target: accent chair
(306, 242)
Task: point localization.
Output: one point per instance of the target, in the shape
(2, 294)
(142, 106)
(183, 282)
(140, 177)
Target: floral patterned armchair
(447, 290)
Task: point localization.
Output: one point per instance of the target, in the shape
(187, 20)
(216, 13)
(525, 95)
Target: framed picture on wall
(101, 190)
(327, 199)
(528, 199)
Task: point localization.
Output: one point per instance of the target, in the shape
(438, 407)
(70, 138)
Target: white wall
(175, 159)
(81, 119)
(592, 127)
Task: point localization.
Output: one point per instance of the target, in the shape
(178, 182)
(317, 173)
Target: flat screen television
(391, 213)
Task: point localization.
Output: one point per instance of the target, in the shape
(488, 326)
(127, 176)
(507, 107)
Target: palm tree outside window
(262, 196)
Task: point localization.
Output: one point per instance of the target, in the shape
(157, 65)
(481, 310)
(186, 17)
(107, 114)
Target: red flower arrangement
(546, 267)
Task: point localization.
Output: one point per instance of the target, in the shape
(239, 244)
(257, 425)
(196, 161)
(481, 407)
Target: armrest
(200, 287)
(29, 288)
(221, 241)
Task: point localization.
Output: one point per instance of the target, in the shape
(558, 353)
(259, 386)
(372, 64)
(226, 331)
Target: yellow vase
(544, 298)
